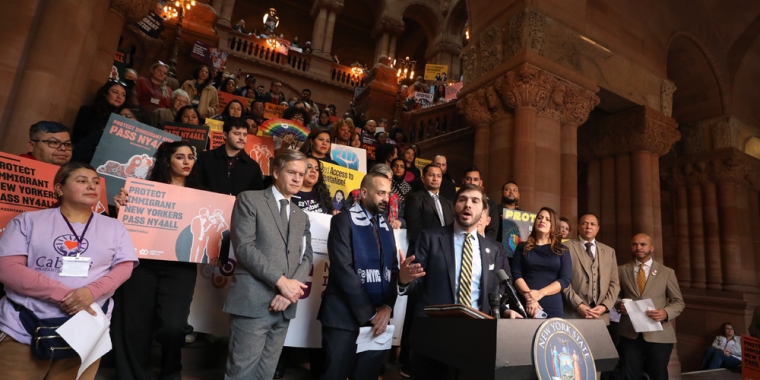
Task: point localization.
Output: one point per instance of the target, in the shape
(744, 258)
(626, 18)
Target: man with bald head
(644, 278)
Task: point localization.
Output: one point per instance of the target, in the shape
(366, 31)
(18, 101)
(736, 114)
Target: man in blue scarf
(362, 286)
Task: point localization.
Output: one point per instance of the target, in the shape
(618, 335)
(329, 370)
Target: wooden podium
(483, 349)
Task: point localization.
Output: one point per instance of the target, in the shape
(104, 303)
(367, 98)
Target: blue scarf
(372, 268)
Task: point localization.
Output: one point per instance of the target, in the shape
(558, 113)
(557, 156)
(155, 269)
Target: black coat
(434, 250)
(420, 214)
(212, 171)
(345, 304)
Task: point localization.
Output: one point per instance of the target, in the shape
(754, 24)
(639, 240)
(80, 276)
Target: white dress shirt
(277, 196)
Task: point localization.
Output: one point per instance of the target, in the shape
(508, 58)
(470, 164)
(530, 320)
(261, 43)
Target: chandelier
(405, 69)
(271, 22)
(356, 69)
(173, 9)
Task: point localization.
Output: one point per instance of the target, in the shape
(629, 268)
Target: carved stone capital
(474, 108)
(132, 10)
(666, 97)
(526, 86)
(331, 5)
(579, 102)
(490, 49)
(386, 24)
(725, 132)
(638, 129)
(469, 58)
(723, 165)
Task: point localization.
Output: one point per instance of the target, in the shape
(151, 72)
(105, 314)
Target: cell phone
(541, 315)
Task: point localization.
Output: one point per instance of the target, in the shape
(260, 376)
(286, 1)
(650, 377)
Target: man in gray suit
(643, 278)
(272, 245)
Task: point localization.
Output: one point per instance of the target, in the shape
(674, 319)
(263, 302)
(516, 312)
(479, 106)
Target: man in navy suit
(453, 265)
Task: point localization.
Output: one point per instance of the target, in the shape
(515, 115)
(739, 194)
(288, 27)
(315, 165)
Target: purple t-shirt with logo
(45, 238)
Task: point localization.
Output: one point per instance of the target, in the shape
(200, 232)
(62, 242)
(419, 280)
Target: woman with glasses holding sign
(56, 263)
(155, 302)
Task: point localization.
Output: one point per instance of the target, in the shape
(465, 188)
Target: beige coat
(662, 287)
(605, 277)
(209, 102)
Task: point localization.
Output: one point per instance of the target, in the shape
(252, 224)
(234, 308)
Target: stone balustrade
(431, 122)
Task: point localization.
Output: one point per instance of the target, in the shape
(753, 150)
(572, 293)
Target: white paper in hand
(87, 335)
(367, 341)
(637, 312)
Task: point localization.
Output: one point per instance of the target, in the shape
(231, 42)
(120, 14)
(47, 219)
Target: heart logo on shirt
(70, 244)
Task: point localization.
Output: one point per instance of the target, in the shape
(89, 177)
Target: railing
(431, 122)
(258, 49)
(342, 74)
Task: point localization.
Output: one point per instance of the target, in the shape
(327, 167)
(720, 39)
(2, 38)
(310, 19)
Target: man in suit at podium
(453, 265)
(594, 285)
(362, 287)
(640, 279)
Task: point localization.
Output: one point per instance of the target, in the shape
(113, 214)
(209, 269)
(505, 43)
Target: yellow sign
(215, 125)
(341, 181)
(436, 72)
(420, 163)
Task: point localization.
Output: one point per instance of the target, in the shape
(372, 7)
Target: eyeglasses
(55, 144)
(118, 82)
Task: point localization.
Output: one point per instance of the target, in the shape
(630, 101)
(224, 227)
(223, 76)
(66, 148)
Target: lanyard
(79, 238)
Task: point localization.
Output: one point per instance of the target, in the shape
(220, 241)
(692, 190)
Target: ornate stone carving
(387, 24)
(556, 102)
(526, 31)
(724, 133)
(494, 103)
(473, 108)
(469, 61)
(526, 86)
(723, 165)
(692, 138)
(579, 102)
(490, 49)
(666, 97)
(638, 129)
(132, 10)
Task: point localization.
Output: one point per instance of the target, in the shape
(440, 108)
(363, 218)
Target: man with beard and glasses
(362, 287)
(472, 276)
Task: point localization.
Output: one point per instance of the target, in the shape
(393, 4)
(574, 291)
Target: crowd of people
(452, 234)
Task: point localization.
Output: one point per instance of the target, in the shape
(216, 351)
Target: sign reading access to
(560, 352)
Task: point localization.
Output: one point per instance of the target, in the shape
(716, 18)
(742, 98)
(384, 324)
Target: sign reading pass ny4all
(27, 185)
(174, 223)
(515, 228)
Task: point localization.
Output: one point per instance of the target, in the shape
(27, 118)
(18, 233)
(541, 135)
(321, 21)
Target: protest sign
(119, 62)
(27, 185)
(214, 125)
(226, 97)
(126, 150)
(196, 135)
(369, 144)
(273, 111)
(516, 227)
(425, 100)
(152, 25)
(209, 55)
(420, 163)
(349, 157)
(175, 223)
(341, 181)
(750, 357)
(261, 150)
(216, 139)
(436, 72)
(211, 287)
(452, 90)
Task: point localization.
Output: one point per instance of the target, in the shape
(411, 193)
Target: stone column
(217, 5)
(225, 17)
(526, 90)
(712, 240)
(318, 35)
(698, 270)
(608, 214)
(684, 243)
(385, 33)
(476, 114)
(392, 46)
(731, 257)
(548, 148)
(329, 29)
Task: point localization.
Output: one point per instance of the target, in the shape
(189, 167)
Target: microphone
(494, 299)
(511, 293)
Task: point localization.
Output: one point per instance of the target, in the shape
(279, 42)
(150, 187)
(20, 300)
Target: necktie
(588, 250)
(465, 272)
(641, 279)
(373, 220)
(439, 209)
(284, 214)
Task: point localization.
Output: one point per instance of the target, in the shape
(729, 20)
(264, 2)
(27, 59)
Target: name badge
(155, 100)
(196, 102)
(75, 267)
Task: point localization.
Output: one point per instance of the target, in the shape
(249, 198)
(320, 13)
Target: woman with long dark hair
(233, 109)
(412, 175)
(155, 302)
(314, 195)
(228, 85)
(541, 267)
(29, 248)
(398, 184)
(202, 93)
(109, 98)
(188, 115)
(323, 121)
(318, 145)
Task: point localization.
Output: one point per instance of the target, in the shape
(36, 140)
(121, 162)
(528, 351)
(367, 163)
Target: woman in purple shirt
(36, 254)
